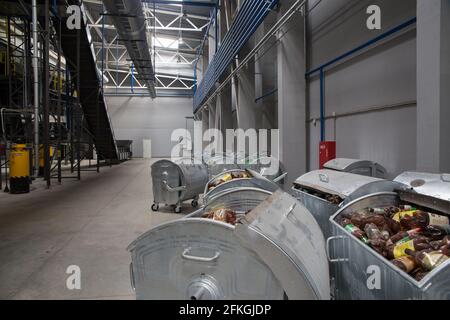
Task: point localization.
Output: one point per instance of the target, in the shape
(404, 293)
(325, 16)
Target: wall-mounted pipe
(365, 110)
(321, 68)
(184, 3)
(322, 105)
(365, 45)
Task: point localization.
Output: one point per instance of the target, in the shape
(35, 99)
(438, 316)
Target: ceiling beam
(208, 4)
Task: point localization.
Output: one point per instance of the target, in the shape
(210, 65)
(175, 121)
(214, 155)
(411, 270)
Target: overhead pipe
(130, 22)
(369, 43)
(224, 57)
(322, 105)
(184, 3)
(321, 68)
(35, 86)
(250, 16)
(228, 52)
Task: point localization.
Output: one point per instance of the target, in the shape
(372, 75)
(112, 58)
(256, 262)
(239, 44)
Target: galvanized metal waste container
(236, 178)
(323, 192)
(357, 166)
(220, 163)
(277, 251)
(359, 272)
(268, 166)
(177, 181)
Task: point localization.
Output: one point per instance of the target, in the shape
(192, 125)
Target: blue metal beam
(249, 17)
(363, 46)
(321, 69)
(322, 105)
(185, 3)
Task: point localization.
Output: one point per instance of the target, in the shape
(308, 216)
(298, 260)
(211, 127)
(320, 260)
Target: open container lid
(429, 184)
(343, 184)
(287, 238)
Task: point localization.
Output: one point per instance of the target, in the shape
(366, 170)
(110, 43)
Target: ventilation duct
(129, 19)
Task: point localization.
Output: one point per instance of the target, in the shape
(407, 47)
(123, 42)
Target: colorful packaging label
(400, 215)
(401, 246)
(352, 228)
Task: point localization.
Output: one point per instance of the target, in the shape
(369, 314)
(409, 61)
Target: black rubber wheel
(155, 207)
(177, 209)
(194, 203)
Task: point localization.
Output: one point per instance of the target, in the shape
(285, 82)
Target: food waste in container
(324, 192)
(274, 251)
(392, 245)
(235, 179)
(177, 181)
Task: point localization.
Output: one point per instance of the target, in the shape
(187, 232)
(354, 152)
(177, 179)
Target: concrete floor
(88, 223)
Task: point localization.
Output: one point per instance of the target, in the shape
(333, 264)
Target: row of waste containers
(334, 235)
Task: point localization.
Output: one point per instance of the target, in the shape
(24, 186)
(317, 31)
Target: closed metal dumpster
(323, 192)
(359, 272)
(177, 181)
(276, 251)
(357, 166)
(236, 178)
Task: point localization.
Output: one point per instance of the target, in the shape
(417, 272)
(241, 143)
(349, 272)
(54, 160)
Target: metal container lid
(338, 183)
(288, 239)
(433, 185)
(349, 165)
(198, 259)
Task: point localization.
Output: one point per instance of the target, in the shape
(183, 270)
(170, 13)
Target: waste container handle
(445, 177)
(176, 189)
(133, 286)
(281, 177)
(329, 240)
(186, 256)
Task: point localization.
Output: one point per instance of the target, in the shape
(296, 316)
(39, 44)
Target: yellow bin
(19, 170)
(41, 158)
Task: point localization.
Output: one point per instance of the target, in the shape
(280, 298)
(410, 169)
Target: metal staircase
(91, 97)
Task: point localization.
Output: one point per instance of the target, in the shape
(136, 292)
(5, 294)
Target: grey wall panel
(338, 26)
(138, 118)
(386, 75)
(387, 137)
(383, 75)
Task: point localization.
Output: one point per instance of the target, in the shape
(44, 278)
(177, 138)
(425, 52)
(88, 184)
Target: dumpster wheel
(155, 207)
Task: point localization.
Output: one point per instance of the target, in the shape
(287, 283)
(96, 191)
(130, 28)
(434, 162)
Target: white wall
(138, 118)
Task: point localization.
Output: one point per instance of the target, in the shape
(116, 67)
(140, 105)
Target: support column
(291, 98)
(205, 124)
(226, 109)
(212, 115)
(248, 113)
(433, 84)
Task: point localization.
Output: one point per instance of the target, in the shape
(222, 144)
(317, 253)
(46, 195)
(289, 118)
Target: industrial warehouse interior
(225, 150)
